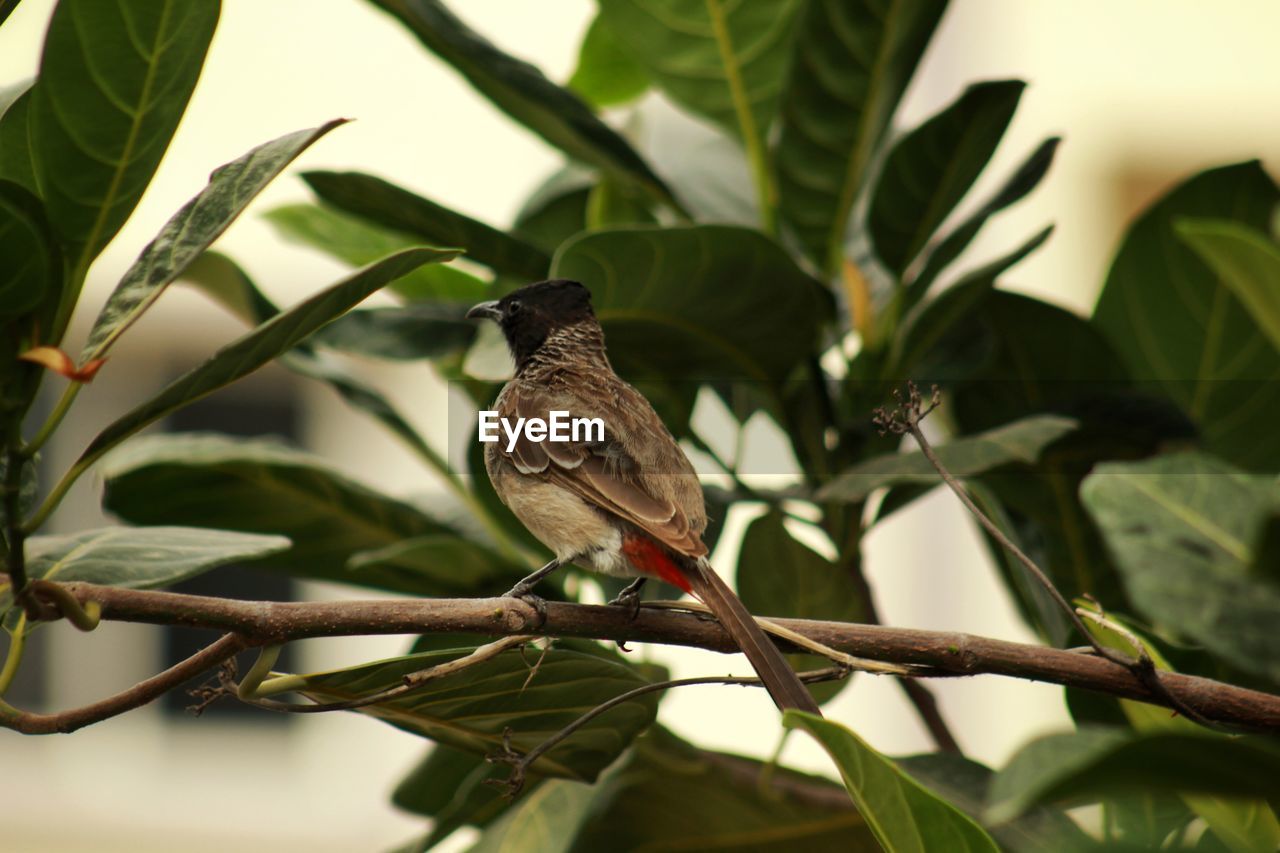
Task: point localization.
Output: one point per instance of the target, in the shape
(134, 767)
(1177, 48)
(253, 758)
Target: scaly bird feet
(630, 597)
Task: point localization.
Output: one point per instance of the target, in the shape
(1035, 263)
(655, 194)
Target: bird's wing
(601, 473)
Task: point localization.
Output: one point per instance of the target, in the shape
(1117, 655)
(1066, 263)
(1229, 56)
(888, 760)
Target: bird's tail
(779, 678)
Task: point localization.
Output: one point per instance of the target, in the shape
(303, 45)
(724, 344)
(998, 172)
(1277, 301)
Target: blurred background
(1143, 92)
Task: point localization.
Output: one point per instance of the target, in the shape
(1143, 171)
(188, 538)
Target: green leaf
(393, 207)
(929, 323)
(15, 144)
(903, 815)
(1181, 529)
(1182, 331)
(696, 302)
(931, 168)
(191, 230)
(412, 332)
(451, 786)
(964, 784)
(1246, 261)
(225, 282)
(246, 354)
(1020, 441)
(263, 487)
(522, 91)
(1093, 763)
(114, 81)
(605, 75)
(29, 260)
(724, 61)
(672, 795)
(446, 560)
(1242, 824)
(556, 210)
(779, 576)
(854, 60)
(532, 694)
(356, 242)
(1024, 179)
(546, 820)
(138, 557)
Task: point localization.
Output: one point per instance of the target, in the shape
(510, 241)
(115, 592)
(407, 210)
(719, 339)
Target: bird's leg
(524, 590)
(630, 597)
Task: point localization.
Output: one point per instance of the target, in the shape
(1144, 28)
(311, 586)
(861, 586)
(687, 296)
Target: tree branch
(937, 653)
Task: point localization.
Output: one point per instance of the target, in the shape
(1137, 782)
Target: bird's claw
(524, 592)
(630, 599)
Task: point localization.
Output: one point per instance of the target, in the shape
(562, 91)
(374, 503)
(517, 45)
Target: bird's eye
(513, 307)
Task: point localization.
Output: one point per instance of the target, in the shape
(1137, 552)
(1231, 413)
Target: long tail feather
(779, 678)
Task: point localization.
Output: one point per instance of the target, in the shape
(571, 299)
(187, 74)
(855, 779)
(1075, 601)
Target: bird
(626, 503)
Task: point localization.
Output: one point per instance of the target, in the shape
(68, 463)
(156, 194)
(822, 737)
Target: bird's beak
(483, 310)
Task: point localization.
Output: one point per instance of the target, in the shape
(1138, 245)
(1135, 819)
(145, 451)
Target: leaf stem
(51, 423)
(17, 643)
(50, 503)
(756, 156)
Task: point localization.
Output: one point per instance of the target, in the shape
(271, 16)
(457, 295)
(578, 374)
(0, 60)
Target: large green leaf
(931, 168)
(393, 207)
(251, 351)
(696, 303)
(1182, 530)
(556, 209)
(1023, 180)
(534, 695)
(191, 230)
(903, 814)
(606, 75)
(928, 324)
(546, 820)
(719, 59)
(15, 143)
(356, 241)
(853, 61)
(224, 281)
(454, 788)
(673, 795)
(964, 783)
(1020, 441)
(1243, 824)
(412, 332)
(261, 486)
(780, 576)
(1092, 763)
(523, 92)
(29, 260)
(1181, 330)
(138, 557)
(1246, 261)
(114, 81)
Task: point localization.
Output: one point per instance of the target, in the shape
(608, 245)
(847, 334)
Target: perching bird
(629, 505)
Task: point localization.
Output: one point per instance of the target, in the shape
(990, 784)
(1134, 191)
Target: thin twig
(906, 418)
(135, 697)
(521, 763)
(408, 683)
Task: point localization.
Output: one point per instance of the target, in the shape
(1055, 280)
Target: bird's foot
(630, 598)
(524, 592)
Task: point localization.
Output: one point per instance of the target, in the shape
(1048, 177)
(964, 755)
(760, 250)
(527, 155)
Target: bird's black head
(529, 315)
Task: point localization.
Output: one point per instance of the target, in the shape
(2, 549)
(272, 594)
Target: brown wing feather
(604, 474)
